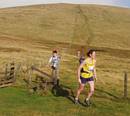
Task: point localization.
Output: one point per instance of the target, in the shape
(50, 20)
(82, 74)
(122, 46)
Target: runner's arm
(49, 62)
(95, 74)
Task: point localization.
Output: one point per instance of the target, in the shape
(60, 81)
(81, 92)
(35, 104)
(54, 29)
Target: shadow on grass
(113, 97)
(65, 91)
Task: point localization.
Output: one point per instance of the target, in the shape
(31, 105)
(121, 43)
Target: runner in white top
(54, 62)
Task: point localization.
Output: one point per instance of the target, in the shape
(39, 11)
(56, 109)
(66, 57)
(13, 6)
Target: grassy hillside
(28, 34)
(77, 23)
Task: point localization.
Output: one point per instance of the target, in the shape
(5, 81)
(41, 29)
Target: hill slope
(28, 34)
(103, 26)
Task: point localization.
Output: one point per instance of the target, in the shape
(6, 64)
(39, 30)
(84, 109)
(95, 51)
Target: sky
(13, 3)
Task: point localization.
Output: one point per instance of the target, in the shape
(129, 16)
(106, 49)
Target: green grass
(17, 101)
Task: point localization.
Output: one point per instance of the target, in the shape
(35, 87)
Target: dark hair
(90, 52)
(54, 51)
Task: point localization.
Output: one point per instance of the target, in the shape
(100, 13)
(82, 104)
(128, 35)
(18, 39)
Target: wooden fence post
(125, 85)
(12, 70)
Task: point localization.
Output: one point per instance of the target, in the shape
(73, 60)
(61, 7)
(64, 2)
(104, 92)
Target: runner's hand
(95, 79)
(79, 80)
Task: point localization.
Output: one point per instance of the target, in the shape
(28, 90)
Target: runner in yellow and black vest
(86, 74)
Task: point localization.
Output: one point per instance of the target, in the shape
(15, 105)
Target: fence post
(125, 85)
(12, 70)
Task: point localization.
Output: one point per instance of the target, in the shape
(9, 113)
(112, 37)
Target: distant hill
(99, 26)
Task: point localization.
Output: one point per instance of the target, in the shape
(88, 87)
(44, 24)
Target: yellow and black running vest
(88, 69)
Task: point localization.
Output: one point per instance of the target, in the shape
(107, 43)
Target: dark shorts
(54, 68)
(85, 80)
